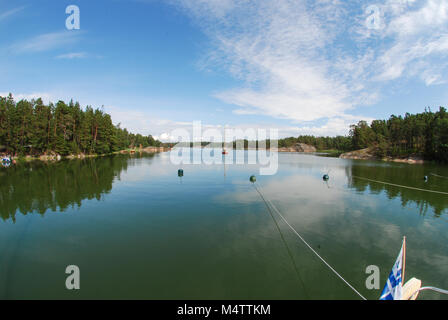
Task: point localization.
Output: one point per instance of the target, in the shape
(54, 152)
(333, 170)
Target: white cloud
(9, 13)
(276, 49)
(418, 36)
(45, 42)
(147, 123)
(72, 55)
(307, 61)
(432, 15)
(304, 61)
(333, 126)
(78, 55)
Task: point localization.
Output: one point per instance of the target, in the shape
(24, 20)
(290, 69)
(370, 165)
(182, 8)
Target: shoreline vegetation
(56, 157)
(414, 139)
(32, 130)
(370, 154)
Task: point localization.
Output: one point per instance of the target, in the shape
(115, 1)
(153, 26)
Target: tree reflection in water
(38, 186)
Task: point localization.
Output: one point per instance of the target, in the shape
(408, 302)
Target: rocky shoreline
(57, 157)
(368, 154)
(299, 147)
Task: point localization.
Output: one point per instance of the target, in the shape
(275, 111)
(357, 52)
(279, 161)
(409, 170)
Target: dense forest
(33, 128)
(340, 143)
(424, 134)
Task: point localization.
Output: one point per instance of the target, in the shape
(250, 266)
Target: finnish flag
(393, 288)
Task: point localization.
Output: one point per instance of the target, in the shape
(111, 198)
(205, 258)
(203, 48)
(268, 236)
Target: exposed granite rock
(363, 154)
(302, 147)
(155, 149)
(411, 160)
(369, 154)
(299, 147)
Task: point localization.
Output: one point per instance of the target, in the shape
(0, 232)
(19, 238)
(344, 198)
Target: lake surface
(138, 231)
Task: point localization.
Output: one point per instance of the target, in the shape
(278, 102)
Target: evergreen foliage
(33, 128)
(424, 134)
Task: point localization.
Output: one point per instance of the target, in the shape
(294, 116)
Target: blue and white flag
(393, 288)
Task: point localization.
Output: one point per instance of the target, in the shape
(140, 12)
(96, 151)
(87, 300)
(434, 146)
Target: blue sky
(304, 67)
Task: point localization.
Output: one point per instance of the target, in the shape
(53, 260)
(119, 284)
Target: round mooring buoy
(326, 177)
(252, 179)
(180, 172)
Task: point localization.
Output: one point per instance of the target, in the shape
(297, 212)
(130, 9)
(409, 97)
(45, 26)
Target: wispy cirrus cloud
(78, 55)
(11, 12)
(72, 55)
(46, 42)
(418, 36)
(311, 61)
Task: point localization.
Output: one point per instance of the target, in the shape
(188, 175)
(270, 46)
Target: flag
(393, 288)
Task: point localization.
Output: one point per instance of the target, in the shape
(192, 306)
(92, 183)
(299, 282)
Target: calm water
(136, 230)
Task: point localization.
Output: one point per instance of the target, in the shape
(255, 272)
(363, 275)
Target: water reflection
(407, 175)
(39, 186)
(354, 225)
(217, 227)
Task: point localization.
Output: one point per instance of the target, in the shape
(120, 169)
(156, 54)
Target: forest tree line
(34, 128)
(424, 134)
(339, 143)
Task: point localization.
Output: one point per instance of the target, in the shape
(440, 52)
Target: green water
(138, 231)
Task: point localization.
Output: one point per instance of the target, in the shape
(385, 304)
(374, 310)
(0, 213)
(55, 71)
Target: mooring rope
(348, 191)
(306, 243)
(436, 175)
(401, 186)
(284, 242)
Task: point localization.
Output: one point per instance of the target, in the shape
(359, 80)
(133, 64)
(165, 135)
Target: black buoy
(252, 179)
(180, 172)
(326, 177)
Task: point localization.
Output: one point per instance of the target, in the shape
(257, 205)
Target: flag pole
(404, 259)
